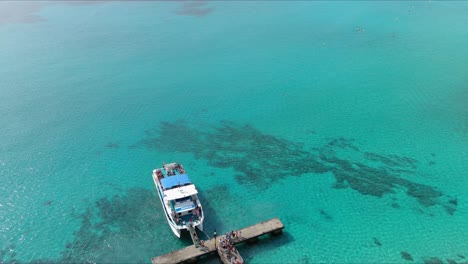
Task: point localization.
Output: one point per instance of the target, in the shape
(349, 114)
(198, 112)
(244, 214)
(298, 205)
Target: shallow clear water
(347, 120)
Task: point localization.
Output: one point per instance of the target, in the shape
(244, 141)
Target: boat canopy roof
(175, 180)
(180, 192)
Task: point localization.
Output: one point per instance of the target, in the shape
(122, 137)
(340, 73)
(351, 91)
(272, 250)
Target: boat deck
(192, 253)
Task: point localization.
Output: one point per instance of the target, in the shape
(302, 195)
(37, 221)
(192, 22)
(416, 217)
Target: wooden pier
(191, 254)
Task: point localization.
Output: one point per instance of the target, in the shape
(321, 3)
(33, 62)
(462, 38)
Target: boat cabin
(181, 195)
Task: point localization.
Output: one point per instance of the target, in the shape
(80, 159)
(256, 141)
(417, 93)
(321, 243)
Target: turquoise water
(347, 120)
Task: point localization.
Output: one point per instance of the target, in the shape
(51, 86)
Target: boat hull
(174, 229)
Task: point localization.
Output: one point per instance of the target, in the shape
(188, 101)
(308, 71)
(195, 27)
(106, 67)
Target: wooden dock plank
(259, 229)
(192, 253)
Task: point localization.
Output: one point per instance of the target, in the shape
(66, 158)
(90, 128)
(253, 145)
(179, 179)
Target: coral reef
(260, 159)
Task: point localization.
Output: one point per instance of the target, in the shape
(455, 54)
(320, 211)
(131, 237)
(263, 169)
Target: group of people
(227, 245)
(195, 216)
(159, 174)
(233, 234)
(236, 260)
(172, 168)
(226, 242)
(180, 168)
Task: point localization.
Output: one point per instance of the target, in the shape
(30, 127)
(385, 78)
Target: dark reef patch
(194, 8)
(432, 159)
(111, 145)
(30, 11)
(304, 260)
(377, 242)
(454, 201)
(325, 215)
(406, 255)
(110, 226)
(433, 260)
(392, 160)
(451, 207)
(261, 159)
(8, 254)
(451, 261)
(112, 221)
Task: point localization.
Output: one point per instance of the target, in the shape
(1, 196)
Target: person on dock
(222, 243)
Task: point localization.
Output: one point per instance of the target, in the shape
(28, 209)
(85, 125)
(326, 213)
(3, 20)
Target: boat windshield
(183, 200)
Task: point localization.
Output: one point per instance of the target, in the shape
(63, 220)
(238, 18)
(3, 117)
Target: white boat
(178, 197)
